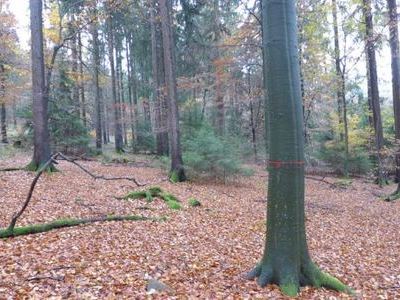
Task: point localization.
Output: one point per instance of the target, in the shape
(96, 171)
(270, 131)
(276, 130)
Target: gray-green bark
(394, 48)
(41, 139)
(286, 260)
(340, 90)
(177, 169)
(158, 83)
(373, 91)
(96, 65)
(116, 108)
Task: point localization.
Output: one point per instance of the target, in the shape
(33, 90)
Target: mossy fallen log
(39, 228)
(155, 192)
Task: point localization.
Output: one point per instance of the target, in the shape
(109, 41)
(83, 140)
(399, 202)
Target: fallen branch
(39, 228)
(58, 278)
(13, 169)
(53, 160)
(28, 198)
(94, 176)
(332, 185)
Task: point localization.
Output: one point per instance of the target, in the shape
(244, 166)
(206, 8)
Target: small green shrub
(359, 161)
(174, 205)
(208, 155)
(193, 202)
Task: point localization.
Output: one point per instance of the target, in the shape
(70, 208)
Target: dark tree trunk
(158, 83)
(129, 70)
(286, 260)
(3, 121)
(81, 82)
(341, 90)
(97, 100)
(133, 86)
(394, 48)
(41, 139)
(373, 92)
(117, 115)
(177, 169)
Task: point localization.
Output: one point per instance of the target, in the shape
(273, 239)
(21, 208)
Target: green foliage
(174, 205)
(358, 162)
(193, 202)
(208, 155)
(145, 141)
(149, 194)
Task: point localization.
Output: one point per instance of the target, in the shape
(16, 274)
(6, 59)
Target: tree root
(290, 281)
(39, 228)
(393, 197)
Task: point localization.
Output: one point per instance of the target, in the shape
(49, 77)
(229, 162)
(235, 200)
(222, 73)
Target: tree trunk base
(33, 167)
(290, 280)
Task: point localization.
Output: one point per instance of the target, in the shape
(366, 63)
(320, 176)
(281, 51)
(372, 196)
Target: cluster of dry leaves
(198, 252)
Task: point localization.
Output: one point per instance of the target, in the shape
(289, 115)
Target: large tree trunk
(158, 84)
(373, 92)
(340, 91)
(117, 115)
(286, 260)
(41, 139)
(96, 65)
(177, 170)
(394, 48)
(133, 86)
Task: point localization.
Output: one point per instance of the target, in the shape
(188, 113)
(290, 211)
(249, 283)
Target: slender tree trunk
(117, 115)
(129, 70)
(158, 83)
(74, 67)
(341, 91)
(133, 85)
(394, 48)
(177, 169)
(373, 92)
(3, 121)
(286, 260)
(41, 139)
(96, 65)
(219, 73)
(81, 82)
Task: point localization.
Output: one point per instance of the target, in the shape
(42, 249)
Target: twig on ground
(94, 176)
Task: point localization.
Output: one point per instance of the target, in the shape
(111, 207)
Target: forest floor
(199, 252)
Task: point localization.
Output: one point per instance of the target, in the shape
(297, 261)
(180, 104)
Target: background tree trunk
(117, 115)
(373, 92)
(96, 65)
(177, 170)
(41, 139)
(394, 48)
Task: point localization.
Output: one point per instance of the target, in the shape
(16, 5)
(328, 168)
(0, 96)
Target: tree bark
(81, 82)
(41, 139)
(158, 84)
(117, 115)
(286, 260)
(177, 169)
(96, 65)
(373, 91)
(394, 48)
(340, 91)
(3, 123)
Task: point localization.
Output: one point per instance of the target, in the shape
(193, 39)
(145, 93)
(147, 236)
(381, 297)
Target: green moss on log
(155, 192)
(174, 205)
(39, 228)
(193, 202)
